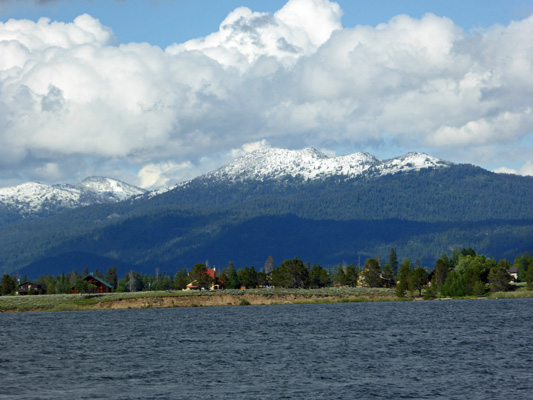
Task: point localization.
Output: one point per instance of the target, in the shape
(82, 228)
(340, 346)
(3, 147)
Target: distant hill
(288, 204)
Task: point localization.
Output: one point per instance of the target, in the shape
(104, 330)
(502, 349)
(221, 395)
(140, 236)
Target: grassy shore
(73, 302)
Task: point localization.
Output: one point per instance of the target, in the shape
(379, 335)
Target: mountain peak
(120, 190)
(311, 164)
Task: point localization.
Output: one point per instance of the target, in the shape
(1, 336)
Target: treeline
(463, 273)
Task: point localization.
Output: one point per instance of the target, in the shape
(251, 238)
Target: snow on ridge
(117, 188)
(33, 197)
(311, 164)
(412, 161)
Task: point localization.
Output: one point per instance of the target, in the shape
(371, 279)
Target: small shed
(28, 287)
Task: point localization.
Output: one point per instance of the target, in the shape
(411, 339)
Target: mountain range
(37, 199)
(271, 202)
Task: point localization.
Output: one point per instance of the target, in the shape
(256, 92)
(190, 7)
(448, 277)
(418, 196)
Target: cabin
(100, 286)
(26, 288)
(216, 285)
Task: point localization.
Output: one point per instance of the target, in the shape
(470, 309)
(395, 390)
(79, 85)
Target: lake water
(412, 350)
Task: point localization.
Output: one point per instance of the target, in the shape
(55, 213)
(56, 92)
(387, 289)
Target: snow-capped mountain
(33, 198)
(311, 164)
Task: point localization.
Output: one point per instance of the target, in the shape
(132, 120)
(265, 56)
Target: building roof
(99, 280)
(29, 283)
(211, 272)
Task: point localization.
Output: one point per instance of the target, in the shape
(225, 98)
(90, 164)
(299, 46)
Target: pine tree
(351, 275)
(529, 276)
(111, 276)
(499, 277)
(372, 273)
(180, 279)
(393, 262)
(388, 276)
(418, 280)
(404, 276)
(8, 285)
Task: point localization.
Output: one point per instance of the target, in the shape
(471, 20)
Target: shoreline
(170, 299)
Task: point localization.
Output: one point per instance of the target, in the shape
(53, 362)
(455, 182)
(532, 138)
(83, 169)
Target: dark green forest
(330, 221)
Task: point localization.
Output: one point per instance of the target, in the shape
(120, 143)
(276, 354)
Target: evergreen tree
(233, 278)
(8, 285)
(372, 273)
(180, 279)
(404, 276)
(522, 262)
(393, 262)
(262, 279)
(81, 286)
(529, 276)
(200, 276)
(339, 276)
(318, 277)
(291, 274)
(499, 277)
(388, 276)
(418, 280)
(401, 289)
(111, 276)
(248, 277)
(351, 275)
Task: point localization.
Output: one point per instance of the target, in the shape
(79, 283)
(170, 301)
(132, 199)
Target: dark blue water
(412, 350)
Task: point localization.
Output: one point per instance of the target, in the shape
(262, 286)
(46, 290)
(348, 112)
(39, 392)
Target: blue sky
(158, 91)
(164, 22)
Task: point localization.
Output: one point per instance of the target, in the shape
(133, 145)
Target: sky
(155, 92)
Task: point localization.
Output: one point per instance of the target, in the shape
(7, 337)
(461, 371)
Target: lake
(479, 349)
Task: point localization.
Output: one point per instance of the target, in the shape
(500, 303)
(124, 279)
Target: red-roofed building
(216, 285)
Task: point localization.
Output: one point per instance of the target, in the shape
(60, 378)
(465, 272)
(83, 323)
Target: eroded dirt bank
(219, 300)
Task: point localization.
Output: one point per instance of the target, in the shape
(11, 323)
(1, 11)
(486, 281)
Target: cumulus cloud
(294, 78)
(248, 148)
(298, 29)
(525, 170)
(161, 174)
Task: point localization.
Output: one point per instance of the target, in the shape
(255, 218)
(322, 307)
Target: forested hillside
(420, 214)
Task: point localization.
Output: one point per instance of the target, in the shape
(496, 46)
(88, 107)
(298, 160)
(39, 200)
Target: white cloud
(298, 29)
(525, 170)
(248, 148)
(161, 174)
(294, 78)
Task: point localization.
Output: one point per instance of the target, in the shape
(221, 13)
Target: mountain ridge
(311, 164)
(34, 198)
(426, 207)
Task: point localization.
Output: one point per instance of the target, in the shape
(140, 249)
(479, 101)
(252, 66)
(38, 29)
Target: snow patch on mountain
(112, 187)
(311, 164)
(31, 198)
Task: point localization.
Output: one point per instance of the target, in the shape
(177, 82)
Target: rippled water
(416, 350)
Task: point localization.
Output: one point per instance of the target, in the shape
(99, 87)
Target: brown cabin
(26, 288)
(101, 285)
